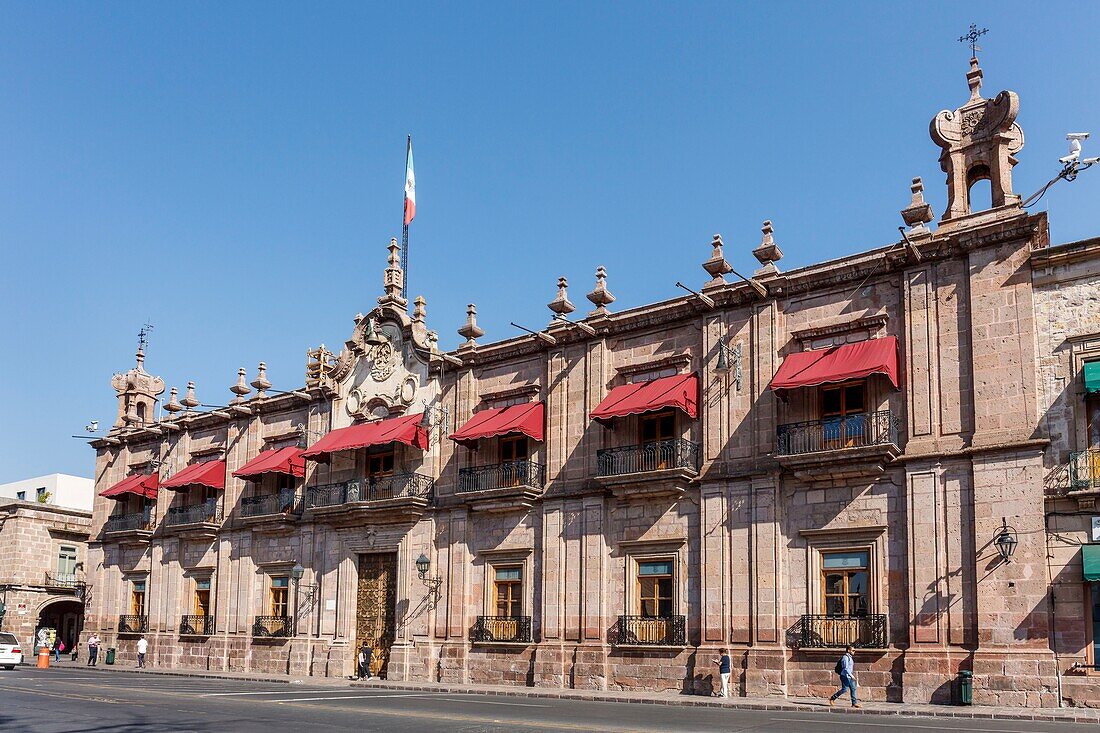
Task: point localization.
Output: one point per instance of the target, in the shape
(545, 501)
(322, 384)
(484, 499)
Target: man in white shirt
(142, 647)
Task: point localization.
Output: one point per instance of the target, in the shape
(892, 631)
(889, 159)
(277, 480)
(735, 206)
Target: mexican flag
(410, 184)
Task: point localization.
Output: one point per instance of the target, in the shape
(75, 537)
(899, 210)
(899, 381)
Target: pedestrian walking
(845, 667)
(363, 660)
(93, 649)
(142, 647)
(57, 649)
(724, 667)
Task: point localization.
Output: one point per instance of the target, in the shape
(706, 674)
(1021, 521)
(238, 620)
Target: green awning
(1092, 377)
(1090, 561)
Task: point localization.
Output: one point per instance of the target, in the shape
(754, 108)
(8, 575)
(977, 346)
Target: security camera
(1075, 139)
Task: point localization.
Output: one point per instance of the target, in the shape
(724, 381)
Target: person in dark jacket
(845, 667)
(724, 668)
(363, 662)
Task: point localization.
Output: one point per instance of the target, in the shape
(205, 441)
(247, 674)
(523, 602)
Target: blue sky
(233, 172)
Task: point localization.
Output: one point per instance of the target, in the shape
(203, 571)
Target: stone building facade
(779, 465)
(43, 579)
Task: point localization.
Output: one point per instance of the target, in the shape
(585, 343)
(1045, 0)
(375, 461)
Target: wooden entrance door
(376, 607)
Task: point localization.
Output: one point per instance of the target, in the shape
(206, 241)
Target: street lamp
(423, 565)
(1005, 539)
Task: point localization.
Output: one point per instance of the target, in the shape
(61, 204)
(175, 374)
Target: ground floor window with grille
(202, 597)
(846, 580)
(280, 595)
(508, 590)
(137, 598)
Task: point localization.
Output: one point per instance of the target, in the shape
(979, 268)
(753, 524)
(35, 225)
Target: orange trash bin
(43, 657)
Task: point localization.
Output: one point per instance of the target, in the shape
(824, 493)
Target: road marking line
(490, 702)
(911, 725)
(349, 697)
(267, 692)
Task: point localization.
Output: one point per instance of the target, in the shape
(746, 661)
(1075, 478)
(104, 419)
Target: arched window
(141, 411)
(979, 188)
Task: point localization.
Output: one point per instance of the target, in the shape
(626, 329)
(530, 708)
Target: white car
(11, 653)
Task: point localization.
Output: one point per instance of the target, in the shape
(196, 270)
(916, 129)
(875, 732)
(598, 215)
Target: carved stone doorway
(376, 607)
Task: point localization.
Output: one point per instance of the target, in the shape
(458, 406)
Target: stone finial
(240, 388)
(561, 305)
(717, 266)
(189, 400)
(173, 404)
(974, 79)
(470, 330)
(393, 281)
(261, 382)
(140, 359)
(420, 309)
(768, 253)
(600, 296)
(918, 212)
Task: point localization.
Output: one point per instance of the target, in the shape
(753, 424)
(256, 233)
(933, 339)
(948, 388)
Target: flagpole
(405, 233)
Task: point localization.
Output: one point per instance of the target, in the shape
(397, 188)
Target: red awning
(407, 430)
(286, 460)
(140, 484)
(680, 391)
(839, 364)
(527, 419)
(208, 473)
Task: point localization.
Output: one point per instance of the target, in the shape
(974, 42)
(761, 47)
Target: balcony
(852, 446)
(198, 519)
(1084, 470)
(133, 624)
(651, 631)
(65, 582)
(664, 467)
(501, 630)
(272, 627)
(502, 486)
(396, 498)
(836, 632)
(197, 625)
(137, 527)
(271, 510)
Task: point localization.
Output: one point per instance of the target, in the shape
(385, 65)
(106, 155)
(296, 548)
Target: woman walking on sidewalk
(724, 668)
(845, 667)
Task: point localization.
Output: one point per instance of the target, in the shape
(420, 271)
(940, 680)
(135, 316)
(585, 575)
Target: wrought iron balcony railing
(652, 631)
(837, 632)
(273, 626)
(502, 476)
(657, 456)
(207, 512)
(284, 502)
(67, 581)
(136, 522)
(133, 624)
(197, 625)
(834, 433)
(502, 629)
(1084, 470)
(397, 486)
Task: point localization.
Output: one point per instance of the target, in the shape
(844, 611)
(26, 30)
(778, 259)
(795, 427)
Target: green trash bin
(110, 656)
(966, 687)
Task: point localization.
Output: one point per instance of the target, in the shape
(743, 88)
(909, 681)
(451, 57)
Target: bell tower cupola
(137, 389)
(979, 142)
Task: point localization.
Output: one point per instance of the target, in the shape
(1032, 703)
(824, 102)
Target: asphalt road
(73, 700)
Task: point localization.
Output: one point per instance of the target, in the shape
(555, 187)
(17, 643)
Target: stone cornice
(869, 323)
(523, 390)
(677, 361)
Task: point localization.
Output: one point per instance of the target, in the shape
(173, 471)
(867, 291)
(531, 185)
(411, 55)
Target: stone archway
(66, 615)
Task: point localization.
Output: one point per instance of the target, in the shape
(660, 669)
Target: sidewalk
(805, 705)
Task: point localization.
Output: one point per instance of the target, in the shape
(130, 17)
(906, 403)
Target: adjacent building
(57, 489)
(855, 452)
